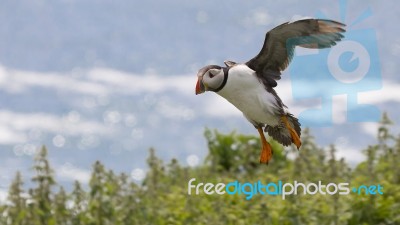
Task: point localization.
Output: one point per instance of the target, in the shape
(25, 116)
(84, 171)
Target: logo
(249, 190)
(342, 71)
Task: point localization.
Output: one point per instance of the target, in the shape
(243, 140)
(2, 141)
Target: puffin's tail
(282, 133)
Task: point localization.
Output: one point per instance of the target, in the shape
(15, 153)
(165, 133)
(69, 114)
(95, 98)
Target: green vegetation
(162, 197)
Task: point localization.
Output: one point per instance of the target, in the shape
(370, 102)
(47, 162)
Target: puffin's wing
(280, 42)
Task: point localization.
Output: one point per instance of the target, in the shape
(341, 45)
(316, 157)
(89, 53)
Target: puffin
(250, 86)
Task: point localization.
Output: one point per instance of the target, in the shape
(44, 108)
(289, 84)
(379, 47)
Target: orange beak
(200, 88)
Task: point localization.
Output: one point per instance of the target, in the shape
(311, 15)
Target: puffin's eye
(211, 74)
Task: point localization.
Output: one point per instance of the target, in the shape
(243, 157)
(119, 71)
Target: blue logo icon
(347, 69)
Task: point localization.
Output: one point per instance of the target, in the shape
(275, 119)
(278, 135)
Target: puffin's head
(210, 78)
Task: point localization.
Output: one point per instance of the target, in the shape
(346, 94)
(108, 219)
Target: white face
(210, 78)
(213, 79)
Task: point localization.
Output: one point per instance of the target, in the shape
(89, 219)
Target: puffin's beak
(200, 88)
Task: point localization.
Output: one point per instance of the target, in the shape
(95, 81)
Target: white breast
(245, 92)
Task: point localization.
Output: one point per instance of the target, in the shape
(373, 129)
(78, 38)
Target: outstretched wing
(280, 42)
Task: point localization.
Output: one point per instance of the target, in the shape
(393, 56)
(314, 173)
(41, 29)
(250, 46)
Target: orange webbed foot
(266, 150)
(295, 138)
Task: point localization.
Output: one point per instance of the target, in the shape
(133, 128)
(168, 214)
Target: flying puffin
(250, 86)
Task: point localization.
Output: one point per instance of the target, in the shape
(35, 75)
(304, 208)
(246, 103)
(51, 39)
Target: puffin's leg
(293, 133)
(266, 151)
